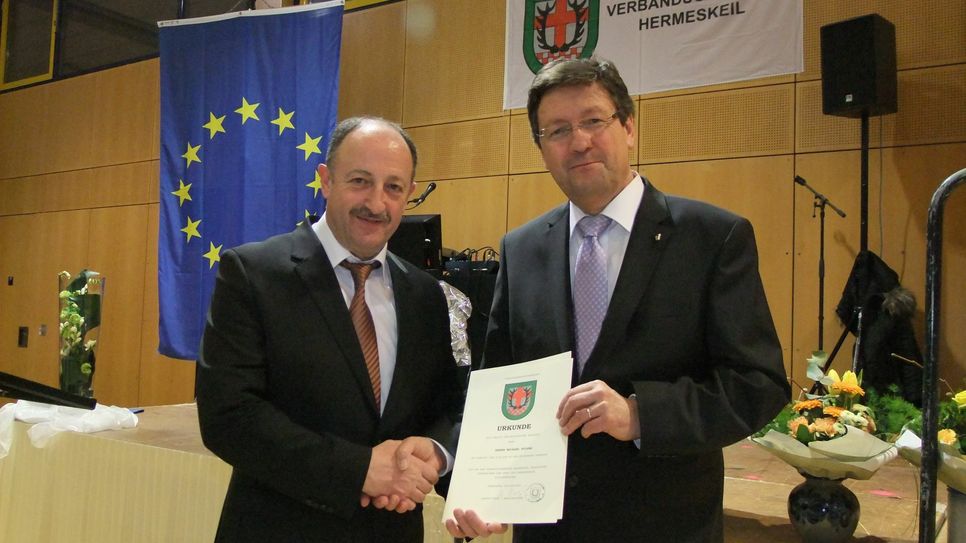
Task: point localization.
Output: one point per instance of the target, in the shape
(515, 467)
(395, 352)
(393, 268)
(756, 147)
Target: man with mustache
(659, 300)
(324, 357)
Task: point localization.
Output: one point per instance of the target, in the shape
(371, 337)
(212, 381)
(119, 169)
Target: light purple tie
(590, 285)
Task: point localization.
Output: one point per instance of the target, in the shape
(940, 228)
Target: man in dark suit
(675, 352)
(315, 410)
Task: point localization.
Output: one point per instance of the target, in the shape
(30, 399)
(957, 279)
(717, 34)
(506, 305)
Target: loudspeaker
(859, 67)
(419, 239)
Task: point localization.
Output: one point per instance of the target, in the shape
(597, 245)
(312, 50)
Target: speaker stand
(864, 178)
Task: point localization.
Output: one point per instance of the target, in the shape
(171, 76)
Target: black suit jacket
(688, 331)
(285, 399)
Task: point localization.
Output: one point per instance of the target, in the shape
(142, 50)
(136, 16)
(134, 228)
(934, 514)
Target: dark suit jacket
(688, 331)
(285, 399)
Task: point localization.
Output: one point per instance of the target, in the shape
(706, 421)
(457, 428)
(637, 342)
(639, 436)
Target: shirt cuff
(449, 458)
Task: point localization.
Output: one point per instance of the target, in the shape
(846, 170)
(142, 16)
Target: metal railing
(930, 402)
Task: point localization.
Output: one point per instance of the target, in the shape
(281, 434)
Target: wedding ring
(589, 416)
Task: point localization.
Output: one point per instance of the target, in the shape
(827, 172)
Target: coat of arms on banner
(555, 29)
(518, 399)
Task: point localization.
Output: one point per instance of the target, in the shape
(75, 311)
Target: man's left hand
(594, 407)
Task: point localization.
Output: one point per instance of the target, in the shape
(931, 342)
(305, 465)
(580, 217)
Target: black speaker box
(419, 239)
(859, 67)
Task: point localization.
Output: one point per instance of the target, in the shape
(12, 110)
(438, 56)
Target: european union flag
(247, 104)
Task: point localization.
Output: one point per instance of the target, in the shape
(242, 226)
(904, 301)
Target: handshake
(401, 473)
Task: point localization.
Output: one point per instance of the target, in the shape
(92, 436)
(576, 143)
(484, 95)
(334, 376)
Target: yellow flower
(848, 383)
(947, 436)
(806, 405)
(960, 399)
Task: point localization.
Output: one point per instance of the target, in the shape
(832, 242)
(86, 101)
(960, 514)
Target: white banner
(657, 45)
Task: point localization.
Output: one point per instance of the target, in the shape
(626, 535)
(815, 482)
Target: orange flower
(806, 405)
(947, 436)
(795, 423)
(848, 388)
(833, 411)
(825, 426)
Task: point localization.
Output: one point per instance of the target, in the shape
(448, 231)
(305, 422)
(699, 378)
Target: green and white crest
(518, 399)
(555, 29)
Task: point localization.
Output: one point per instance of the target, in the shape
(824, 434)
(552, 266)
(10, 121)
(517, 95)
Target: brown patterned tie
(362, 321)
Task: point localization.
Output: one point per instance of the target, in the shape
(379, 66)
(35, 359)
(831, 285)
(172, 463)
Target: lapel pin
(657, 237)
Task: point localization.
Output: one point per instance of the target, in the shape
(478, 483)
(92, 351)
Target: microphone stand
(820, 202)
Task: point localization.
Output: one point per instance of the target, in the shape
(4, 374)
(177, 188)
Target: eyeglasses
(561, 132)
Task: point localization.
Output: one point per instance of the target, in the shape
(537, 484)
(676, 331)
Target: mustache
(364, 212)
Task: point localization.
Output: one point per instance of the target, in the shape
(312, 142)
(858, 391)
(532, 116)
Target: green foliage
(892, 412)
(779, 423)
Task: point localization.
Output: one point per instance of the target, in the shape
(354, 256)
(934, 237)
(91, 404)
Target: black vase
(823, 510)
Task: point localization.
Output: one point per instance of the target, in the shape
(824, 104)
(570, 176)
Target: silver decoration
(460, 310)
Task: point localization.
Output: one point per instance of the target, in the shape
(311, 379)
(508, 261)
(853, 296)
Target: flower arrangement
(80, 317)
(830, 435)
(952, 441)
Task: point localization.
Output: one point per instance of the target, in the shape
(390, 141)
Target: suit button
(572, 481)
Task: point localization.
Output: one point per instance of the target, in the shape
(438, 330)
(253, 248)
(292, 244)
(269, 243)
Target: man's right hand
(386, 477)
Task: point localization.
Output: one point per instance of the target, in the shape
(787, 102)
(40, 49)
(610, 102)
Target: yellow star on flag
(317, 184)
(191, 229)
(213, 255)
(307, 215)
(247, 111)
(191, 155)
(310, 146)
(213, 126)
(183, 193)
(283, 121)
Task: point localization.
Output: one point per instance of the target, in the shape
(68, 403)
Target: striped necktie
(362, 321)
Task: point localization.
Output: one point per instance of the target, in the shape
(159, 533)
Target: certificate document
(512, 457)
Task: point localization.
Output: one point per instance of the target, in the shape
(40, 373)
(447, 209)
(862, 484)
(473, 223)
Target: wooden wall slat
(372, 62)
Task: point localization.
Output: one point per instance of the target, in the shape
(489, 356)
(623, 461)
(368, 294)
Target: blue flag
(248, 101)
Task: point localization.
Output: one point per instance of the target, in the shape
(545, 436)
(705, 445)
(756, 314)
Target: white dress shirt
(621, 210)
(379, 298)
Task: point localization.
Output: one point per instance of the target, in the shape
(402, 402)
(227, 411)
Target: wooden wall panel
(126, 112)
(454, 60)
(22, 144)
(932, 107)
(473, 211)
(530, 196)
(930, 110)
(21, 195)
(525, 156)
(759, 82)
(372, 61)
(118, 240)
(928, 32)
(759, 189)
(19, 246)
(743, 122)
(64, 191)
(162, 380)
(123, 184)
(67, 124)
(466, 149)
(911, 176)
(63, 241)
(817, 132)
